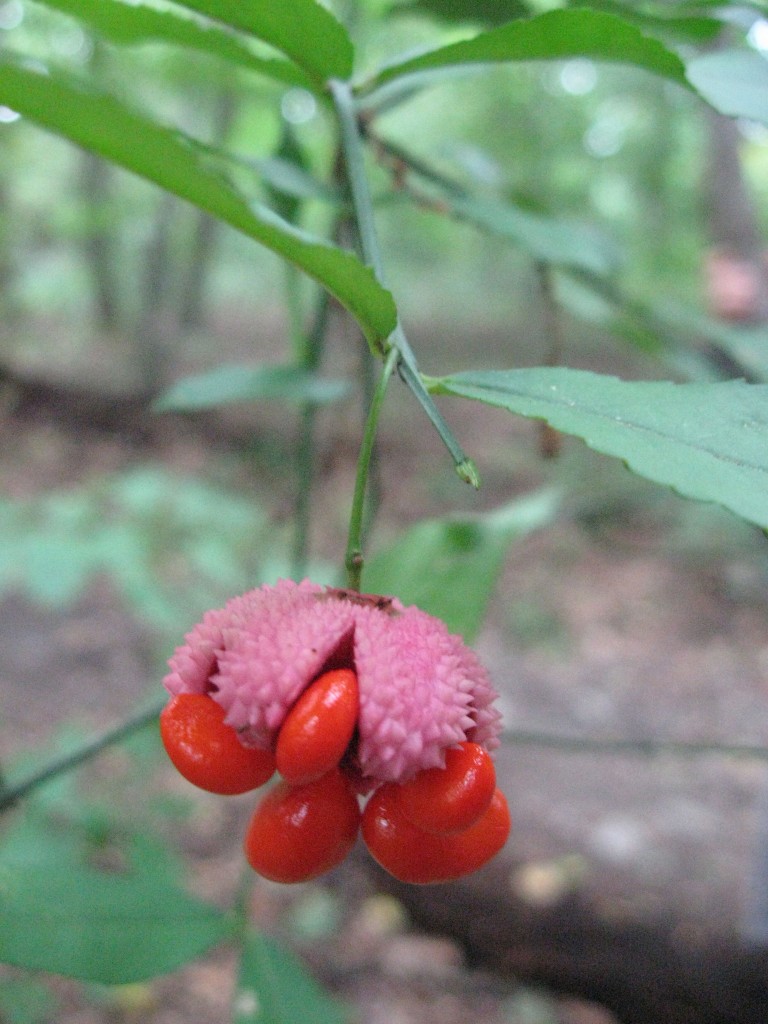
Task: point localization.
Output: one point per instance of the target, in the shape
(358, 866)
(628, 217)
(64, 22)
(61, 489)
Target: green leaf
(101, 124)
(132, 25)
(747, 346)
(492, 12)
(662, 22)
(29, 839)
(227, 384)
(288, 180)
(706, 441)
(95, 926)
(304, 30)
(274, 987)
(287, 177)
(717, 5)
(548, 239)
(735, 82)
(449, 567)
(551, 36)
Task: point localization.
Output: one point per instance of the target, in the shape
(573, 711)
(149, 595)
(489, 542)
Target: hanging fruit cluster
(355, 732)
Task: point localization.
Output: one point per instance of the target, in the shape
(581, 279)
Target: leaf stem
(354, 160)
(362, 202)
(11, 793)
(353, 560)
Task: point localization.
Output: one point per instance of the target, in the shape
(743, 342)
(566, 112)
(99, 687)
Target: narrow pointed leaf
(101, 927)
(666, 24)
(492, 12)
(132, 25)
(747, 346)
(551, 36)
(735, 82)
(100, 123)
(289, 180)
(706, 441)
(548, 239)
(304, 30)
(274, 987)
(449, 567)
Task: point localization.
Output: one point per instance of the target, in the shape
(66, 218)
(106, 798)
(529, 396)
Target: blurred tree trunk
(736, 270)
(732, 213)
(95, 188)
(205, 230)
(658, 970)
(153, 295)
(202, 251)
(96, 178)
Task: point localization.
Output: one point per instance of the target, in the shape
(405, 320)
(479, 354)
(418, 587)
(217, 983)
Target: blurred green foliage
(611, 147)
(570, 187)
(172, 546)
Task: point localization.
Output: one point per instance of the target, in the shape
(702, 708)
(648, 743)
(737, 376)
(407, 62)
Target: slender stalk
(353, 561)
(354, 158)
(398, 155)
(362, 202)
(463, 465)
(11, 792)
(368, 375)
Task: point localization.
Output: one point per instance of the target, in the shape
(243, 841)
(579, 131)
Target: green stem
(362, 202)
(353, 561)
(464, 466)
(13, 792)
(414, 164)
(354, 159)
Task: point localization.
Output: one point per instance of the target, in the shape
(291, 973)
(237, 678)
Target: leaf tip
(467, 471)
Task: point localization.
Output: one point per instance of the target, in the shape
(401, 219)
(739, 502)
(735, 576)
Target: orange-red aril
(318, 728)
(207, 751)
(299, 832)
(415, 856)
(452, 798)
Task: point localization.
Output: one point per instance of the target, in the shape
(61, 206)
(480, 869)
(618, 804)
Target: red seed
(207, 751)
(419, 857)
(299, 832)
(318, 728)
(452, 798)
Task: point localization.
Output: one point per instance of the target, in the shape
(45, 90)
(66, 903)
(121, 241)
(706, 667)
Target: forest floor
(635, 617)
